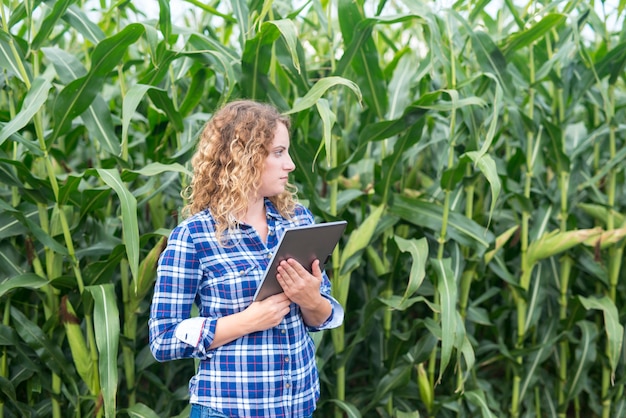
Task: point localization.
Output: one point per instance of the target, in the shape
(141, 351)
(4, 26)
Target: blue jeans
(199, 411)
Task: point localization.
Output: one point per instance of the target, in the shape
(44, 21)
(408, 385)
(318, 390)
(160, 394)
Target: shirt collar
(270, 209)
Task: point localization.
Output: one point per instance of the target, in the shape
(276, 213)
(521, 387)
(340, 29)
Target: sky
(179, 7)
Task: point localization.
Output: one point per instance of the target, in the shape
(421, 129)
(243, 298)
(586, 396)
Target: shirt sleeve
(337, 313)
(173, 333)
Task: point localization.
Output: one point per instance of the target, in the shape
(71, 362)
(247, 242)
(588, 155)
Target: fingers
(316, 269)
(270, 311)
(279, 303)
(290, 268)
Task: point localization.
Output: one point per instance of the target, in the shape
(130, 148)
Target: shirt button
(287, 385)
(286, 359)
(282, 331)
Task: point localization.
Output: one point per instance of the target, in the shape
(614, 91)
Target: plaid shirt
(269, 373)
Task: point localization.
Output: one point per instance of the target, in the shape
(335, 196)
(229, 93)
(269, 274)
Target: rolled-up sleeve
(178, 275)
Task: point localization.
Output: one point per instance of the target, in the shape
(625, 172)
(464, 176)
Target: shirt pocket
(230, 288)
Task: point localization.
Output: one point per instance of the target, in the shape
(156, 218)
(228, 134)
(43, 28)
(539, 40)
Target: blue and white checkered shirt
(269, 373)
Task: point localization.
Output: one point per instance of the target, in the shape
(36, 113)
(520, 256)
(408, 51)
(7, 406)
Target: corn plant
(476, 150)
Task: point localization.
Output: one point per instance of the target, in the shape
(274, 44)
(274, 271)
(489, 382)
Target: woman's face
(278, 164)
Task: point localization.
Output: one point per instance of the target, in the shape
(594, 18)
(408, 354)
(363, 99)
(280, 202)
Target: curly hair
(229, 161)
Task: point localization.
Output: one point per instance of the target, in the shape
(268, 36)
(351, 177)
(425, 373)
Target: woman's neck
(255, 217)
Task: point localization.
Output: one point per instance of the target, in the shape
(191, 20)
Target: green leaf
(84, 25)
(537, 31)
(159, 97)
(386, 129)
(491, 59)
(165, 18)
(585, 357)
(612, 64)
(33, 102)
(350, 255)
(162, 100)
(601, 213)
(477, 397)
(41, 235)
(256, 61)
(487, 166)
(362, 55)
(23, 281)
(241, 15)
(616, 161)
(133, 97)
(140, 410)
(614, 330)
(50, 21)
(12, 58)
(208, 44)
(447, 291)
(418, 248)
(350, 410)
(223, 64)
(430, 215)
(542, 352)
(396, 378)
(67, 66)
(78, 95)
(360, 238)
(106, 319)
(9, 264)
(319, 89)
(288, 30)
(48, 351)
(130, 226)
(328, 121)
(9, 226)
(99, 123)
(154, 169)
(195, 93)
(400, 86)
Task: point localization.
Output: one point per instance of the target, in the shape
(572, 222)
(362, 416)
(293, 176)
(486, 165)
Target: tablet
(305, 244)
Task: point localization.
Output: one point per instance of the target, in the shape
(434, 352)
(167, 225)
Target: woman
(256, 358)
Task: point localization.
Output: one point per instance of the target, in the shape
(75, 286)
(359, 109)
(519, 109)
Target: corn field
(476, 148)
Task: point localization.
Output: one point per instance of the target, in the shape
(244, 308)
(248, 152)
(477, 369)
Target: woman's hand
(259, 316)
(269, 312)
(303, 288)
(299, 285)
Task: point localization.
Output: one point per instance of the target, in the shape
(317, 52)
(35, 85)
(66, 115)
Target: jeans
(199, 411)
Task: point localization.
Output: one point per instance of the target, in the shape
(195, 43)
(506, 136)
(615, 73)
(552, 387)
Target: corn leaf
(34, 100)
(107, 327)
(447, 291)
(23, 281)
(614, 330)
(418, 248)
(130, 226)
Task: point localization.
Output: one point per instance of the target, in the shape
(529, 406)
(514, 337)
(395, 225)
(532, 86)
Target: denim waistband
(200, 411)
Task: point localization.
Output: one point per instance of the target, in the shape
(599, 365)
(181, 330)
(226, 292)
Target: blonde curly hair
(229, 161)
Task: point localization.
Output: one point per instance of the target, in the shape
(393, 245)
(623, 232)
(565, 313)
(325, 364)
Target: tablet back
(304, 244)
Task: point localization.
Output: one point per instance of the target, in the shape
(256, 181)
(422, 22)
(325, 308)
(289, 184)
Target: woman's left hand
(302, 287)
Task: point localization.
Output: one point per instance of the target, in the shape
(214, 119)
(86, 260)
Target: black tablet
(305, 244)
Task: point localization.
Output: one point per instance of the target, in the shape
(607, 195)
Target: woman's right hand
(269, 312)
(259, 316)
